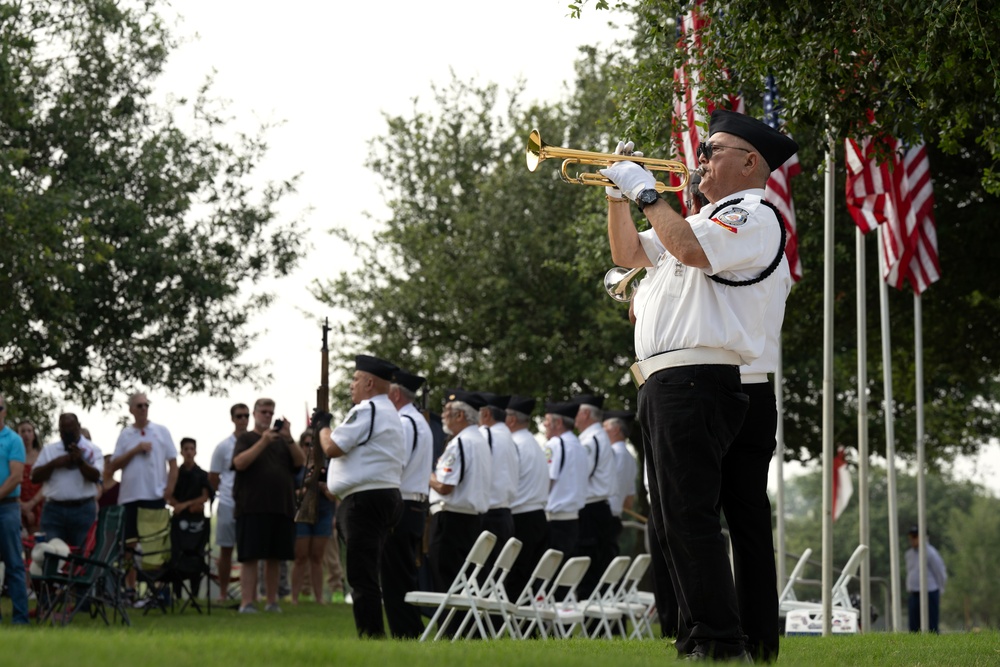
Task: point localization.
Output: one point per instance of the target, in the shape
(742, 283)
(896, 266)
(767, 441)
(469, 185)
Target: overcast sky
(325, 74)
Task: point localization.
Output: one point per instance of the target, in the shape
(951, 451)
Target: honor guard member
(503, 457)
(701, 317)
(528, 509)
(597, 539)
(366, 456)
(616, 425)
(567, 477)
(405, 543)
(460, 487)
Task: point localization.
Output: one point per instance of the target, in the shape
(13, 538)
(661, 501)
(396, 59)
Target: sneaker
(348, 599)
(139, 604)
(273, 608)
(337, 597)
(248, 609)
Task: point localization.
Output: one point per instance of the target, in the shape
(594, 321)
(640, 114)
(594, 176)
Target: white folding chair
(545, 610)
(535, 587)
(788, 592)
(492, 598)
(841, 596)
(638, 608)
(464, 588)
(600, 606)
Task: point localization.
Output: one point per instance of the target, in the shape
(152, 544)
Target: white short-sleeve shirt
(465, 464)
(144, 477)
(222, 465)
(625, 471)
(568, 473)
(503, 454)
(600, 463)
(371, 437)
(533, 474)
(419, 451)
(68, 483)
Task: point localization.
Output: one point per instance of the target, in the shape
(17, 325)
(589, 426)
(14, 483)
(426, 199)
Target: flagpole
(918, 339)
(890, 440)
(779, 452)
(864, 528)
(828, 290)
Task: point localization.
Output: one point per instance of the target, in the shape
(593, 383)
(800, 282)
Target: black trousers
(748, 514)
(500, 522)
(663, 587)
(596, 537)
(452, 536)
(399, 571)
(563, 536)
(365, 519)
(533, 531)
(690, 416)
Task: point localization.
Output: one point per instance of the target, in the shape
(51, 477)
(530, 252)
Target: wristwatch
(646, 197)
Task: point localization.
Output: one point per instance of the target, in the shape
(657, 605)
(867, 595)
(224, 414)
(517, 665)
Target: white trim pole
(864, 516)
(779, 453)
(918, 342)
(828, 291)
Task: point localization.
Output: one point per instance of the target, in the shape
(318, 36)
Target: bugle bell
(621, 283)
(537, 151)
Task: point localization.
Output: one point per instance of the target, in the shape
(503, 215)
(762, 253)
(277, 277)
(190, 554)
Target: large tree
(961, 313)
(485, 275)
(126, 239)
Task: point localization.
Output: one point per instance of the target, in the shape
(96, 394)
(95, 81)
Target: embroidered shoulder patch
(351, 417)
(732, 218)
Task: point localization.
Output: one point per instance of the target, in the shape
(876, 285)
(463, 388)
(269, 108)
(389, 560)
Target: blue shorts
(322, 528)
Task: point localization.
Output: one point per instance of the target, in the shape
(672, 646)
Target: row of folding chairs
(548, 605)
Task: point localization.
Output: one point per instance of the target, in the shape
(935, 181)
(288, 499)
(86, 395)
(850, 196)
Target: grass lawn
(324, 635)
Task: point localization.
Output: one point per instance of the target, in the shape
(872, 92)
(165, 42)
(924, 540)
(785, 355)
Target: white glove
(630, 178)
(624, 148)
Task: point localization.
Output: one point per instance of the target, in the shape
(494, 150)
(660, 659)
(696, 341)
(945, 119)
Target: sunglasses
(244, 415)
(143, 406)
(708, 149)
(2, 408)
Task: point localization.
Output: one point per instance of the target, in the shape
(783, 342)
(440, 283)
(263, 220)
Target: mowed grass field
(313, 635)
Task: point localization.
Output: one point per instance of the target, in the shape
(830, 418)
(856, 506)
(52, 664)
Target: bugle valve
(537, 151)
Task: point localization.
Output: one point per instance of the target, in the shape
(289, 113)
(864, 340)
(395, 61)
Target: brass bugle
(538, 150)
(621, 283)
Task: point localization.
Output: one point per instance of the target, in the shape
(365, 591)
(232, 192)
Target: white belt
(753, 378)
(418, 497)
(562, 516)
(695, 356)
(441, 507)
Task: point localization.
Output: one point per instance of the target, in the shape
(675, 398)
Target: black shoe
(700, 654)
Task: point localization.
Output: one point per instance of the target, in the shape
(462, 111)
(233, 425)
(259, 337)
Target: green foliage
(962, 520)
(486, 275)
(126, 240)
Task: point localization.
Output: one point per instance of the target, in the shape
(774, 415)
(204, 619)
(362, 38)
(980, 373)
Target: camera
(279, 424)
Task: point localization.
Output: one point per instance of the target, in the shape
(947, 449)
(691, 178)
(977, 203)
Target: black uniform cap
(568, 409)
(521, 404)
(625, 415)
(495, 400)
(408, 380)
(774, 146)
(470, 398)
(378, 367)
(589, 399)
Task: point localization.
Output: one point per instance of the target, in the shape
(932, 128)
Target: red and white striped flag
(688, 111)
(843, 486)
(779, 186)
(897, 195)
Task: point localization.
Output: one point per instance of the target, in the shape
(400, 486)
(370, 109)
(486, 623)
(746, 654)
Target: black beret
(774, 146)
(914, 530)
(568, 409)
(589, 399)
(624, 415)
(408, 380)
(470, 398)
(495, 400)
(377, 367)
(521, 404)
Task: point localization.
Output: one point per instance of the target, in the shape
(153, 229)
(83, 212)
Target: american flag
(897, 196)
(689, 113)
(779, 186)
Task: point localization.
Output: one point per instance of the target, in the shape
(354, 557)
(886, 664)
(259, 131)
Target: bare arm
(214, 480)
(626, 249)
(330, 447)
(42, 473)
(121, 461)
(168, 494)
(16, 474)
(244, 459)
(676, 235)
(443, 489)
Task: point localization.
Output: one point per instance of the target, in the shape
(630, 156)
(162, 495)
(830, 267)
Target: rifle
(307, 509)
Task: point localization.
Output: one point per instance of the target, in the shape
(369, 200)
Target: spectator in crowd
(937, 576)
(193, 489)
(147, 457)
(11, 548)
(32, 498)
(70, 472)
(266, 460)
(313, 520)
(222, 476)
(109, 486)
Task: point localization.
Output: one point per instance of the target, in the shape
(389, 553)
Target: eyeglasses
(708, 148)
(244, 415)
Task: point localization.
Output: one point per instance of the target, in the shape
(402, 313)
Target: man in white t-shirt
(69, 470)
(147, 457)
(221, 476)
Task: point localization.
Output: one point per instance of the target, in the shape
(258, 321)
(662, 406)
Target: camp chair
(152, 554)
(464, 588)
(638, 606)
(546, 611)
(189, 559)
(74, 583)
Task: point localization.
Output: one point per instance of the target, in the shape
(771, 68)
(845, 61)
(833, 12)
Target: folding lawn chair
(463, 590)
(638, 606)
(545, 611)
(600, 607)
(841, 596)
(492, 602)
